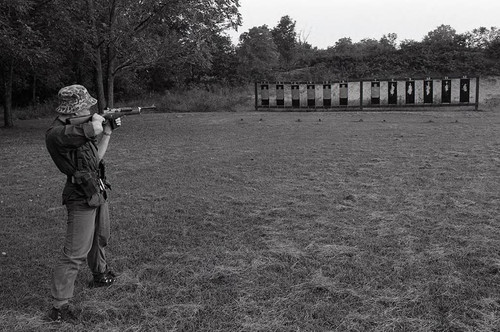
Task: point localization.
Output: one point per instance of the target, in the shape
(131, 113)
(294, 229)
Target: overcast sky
(323, 22)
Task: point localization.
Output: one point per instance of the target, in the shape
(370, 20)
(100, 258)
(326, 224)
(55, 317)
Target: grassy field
(270, 222)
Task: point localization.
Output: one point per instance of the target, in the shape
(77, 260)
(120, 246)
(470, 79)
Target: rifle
(109, 114)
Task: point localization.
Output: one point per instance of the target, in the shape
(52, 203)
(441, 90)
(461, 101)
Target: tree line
(442, 52)
(127, 48)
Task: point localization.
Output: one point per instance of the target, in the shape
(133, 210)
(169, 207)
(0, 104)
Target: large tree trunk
(7, 97)
(111, 77)
(111, 90)
(111, 56)
(101, 101)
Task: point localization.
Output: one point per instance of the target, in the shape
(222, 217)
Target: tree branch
(124, 65)
(142, 25)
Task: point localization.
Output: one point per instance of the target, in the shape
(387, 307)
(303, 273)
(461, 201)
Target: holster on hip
(88, 181)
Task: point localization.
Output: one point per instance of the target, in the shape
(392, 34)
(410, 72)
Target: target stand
(401, 93)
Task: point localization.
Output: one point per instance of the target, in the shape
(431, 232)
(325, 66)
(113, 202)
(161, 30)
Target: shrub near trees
(129, 48)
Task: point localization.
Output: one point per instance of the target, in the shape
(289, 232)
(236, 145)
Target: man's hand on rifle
(98, 121)
(108, 127)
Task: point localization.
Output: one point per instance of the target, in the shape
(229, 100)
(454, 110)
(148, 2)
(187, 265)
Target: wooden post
(361, 95)
(256, 98)
(477, 94)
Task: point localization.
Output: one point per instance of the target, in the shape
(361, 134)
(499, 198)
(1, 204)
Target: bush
(215, 99)
(41, 110)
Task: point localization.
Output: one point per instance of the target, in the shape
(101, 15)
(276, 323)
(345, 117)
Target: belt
(100, 182)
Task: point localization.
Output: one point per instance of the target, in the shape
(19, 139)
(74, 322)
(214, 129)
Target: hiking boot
(103, 279)
(63, 314)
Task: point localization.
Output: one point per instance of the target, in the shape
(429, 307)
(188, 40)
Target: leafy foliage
(285, 38)
(442, 52)
(258, 53)
(100, 42)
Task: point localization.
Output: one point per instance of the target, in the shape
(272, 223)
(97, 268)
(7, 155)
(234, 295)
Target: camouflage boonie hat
(73, 99)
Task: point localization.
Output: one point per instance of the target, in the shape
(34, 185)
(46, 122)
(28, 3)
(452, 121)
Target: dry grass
(260, 222)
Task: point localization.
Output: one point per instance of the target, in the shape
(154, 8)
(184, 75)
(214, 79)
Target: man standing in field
(77, 152)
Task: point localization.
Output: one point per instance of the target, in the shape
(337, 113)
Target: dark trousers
(87, 234)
